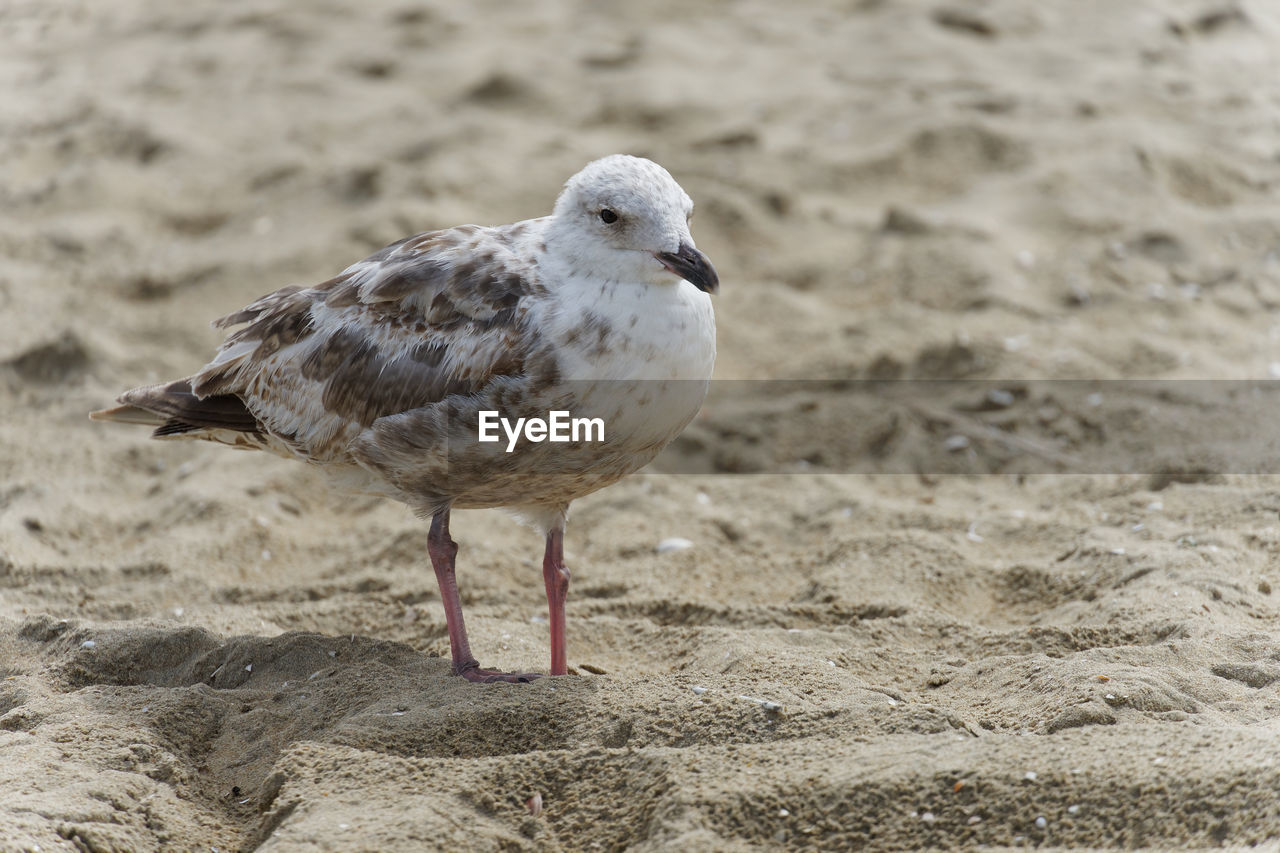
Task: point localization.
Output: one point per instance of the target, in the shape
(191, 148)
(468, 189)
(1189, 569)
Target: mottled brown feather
(427, 317)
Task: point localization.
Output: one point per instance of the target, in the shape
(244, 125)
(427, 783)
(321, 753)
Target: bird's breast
(628, 331)
(638, 357)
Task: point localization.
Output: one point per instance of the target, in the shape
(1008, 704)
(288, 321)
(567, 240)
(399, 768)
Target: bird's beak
(692, 266)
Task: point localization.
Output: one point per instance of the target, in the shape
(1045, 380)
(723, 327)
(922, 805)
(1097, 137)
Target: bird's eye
(608, 216)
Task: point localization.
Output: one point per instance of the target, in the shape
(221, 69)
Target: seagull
(385, 375)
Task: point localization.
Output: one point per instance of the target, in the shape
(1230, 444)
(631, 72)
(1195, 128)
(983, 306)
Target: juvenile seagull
(379, 374)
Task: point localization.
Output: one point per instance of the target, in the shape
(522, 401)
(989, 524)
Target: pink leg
(556, 577)
(443, 551)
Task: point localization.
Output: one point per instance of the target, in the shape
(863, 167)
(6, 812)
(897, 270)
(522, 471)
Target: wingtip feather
(127, 415)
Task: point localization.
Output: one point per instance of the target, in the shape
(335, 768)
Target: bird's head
(626, 218)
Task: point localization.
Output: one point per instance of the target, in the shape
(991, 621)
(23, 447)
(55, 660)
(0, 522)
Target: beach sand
(205, 650)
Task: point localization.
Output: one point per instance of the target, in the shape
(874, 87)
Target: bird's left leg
(556, 577)
(444, 551)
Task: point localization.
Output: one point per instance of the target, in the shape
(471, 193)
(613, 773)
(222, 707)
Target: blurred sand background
(203, 650)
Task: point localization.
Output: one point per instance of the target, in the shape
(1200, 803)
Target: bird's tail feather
(128, 415)
(173, 409)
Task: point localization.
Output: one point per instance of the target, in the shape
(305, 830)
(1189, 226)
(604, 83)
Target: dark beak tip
(692, 266)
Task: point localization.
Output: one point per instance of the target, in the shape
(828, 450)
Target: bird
(385, 375)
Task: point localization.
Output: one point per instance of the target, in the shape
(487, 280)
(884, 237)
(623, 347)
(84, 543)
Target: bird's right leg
(444, 551)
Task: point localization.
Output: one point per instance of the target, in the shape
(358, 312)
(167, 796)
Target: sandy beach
(879, 638)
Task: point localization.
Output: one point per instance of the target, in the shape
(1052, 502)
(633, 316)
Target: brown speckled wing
(431, 316)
